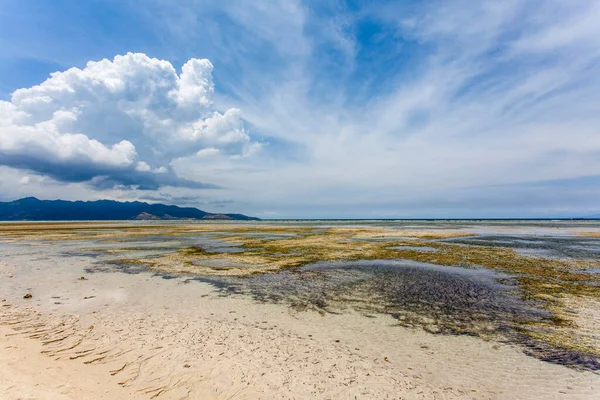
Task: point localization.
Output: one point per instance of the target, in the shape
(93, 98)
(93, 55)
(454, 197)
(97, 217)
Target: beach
(96, 328)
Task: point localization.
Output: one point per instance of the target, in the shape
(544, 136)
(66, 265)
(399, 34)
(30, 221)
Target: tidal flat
(528, 288)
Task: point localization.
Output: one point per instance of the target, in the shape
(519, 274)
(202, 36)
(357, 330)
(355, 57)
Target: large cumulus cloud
(119, 122)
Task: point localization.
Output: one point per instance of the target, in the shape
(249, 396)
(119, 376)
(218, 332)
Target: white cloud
(142, 166)
(476, 95)
(225, 132)
(44, 142)
(209, 152)
(113, 119)
(195, 86)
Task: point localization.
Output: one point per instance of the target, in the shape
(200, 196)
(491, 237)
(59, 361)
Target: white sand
(146, 337)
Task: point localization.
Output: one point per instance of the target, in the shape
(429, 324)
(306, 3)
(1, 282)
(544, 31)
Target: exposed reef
(540, 291)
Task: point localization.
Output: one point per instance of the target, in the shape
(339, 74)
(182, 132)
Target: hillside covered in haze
(33, 209)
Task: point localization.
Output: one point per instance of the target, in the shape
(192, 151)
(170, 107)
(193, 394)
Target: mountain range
(33, 209)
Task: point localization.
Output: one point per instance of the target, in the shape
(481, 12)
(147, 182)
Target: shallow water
(441, 299)
(545, 246)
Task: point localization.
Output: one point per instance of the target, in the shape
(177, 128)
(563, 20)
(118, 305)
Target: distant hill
(32, 209)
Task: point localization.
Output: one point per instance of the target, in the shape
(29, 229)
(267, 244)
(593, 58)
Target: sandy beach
(114, 335)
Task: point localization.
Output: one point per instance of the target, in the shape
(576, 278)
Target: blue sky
(305, 109)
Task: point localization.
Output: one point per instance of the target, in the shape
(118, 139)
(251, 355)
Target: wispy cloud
(394, 107)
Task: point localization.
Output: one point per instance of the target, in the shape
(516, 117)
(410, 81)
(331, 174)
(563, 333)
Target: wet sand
(139, 335)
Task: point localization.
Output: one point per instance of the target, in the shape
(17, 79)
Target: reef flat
(534, 284)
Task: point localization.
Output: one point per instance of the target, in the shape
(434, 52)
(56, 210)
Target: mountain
(32, 209)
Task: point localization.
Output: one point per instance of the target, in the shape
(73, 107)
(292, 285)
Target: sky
(305, 109)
